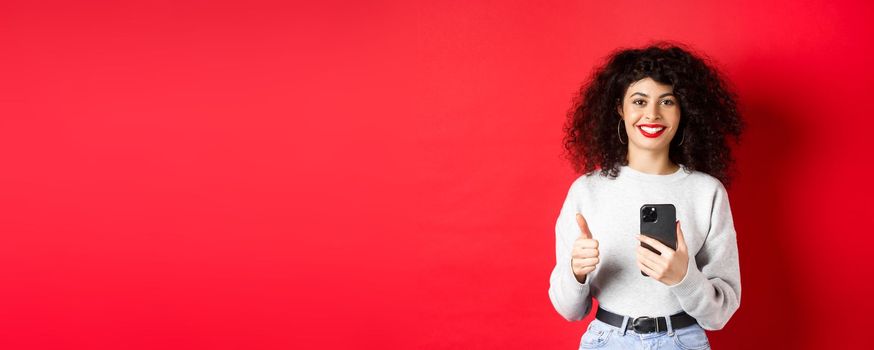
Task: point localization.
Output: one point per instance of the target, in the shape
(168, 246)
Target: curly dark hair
(709, 113)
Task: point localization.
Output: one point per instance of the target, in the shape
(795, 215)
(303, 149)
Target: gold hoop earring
(618, 133)
(683, 139)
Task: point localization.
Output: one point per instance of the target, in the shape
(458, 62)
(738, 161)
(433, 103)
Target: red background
(250, 174)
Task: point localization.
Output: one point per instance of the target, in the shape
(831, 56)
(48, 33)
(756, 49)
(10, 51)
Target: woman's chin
(651, 145)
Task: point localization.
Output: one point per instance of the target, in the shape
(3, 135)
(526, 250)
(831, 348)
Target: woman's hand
(584, 256)
(669, 267)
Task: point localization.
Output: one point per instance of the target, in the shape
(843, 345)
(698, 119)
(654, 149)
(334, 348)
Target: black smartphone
(659, 221)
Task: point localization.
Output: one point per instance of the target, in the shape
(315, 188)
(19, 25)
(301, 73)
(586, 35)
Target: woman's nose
(652, 114)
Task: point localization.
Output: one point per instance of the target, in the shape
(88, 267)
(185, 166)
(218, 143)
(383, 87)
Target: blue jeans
(600, 335)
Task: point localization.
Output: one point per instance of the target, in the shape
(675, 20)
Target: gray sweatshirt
(710, 291)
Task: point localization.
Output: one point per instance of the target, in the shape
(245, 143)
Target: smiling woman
(650, 123)
(677, 115)
(635, 84)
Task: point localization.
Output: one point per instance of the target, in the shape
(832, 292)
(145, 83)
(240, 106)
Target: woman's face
(651, 114)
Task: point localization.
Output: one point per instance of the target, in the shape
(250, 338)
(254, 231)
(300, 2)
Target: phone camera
(650, 214)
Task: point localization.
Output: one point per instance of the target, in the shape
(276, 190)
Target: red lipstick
(652, 135)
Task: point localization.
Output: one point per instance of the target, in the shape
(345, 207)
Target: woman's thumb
(584, 226)
(681, 237)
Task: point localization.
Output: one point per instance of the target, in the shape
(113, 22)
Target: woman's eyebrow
(660, 96)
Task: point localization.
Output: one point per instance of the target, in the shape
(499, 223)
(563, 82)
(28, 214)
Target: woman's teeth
(651, 130)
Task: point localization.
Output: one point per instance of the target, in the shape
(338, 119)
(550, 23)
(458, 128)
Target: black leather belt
(646, 324)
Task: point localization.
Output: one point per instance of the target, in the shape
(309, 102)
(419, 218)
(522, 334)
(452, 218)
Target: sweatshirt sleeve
(711, 292)
(569, 297)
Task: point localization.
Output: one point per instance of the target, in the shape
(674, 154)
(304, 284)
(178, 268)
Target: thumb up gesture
(584, 256)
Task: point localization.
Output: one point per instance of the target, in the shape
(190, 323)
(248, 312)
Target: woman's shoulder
(591, 177)
(589, 181)
(704, 181)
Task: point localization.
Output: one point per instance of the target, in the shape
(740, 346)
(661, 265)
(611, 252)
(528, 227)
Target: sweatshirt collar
(628, 172)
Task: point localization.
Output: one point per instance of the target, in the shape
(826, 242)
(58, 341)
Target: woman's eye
(668, 102)
(638, 102)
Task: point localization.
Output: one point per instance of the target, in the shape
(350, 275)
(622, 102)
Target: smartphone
(659, 221)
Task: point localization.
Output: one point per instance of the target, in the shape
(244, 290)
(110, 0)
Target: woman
(656, 123)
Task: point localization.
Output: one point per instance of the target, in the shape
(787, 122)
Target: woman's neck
(651, 162)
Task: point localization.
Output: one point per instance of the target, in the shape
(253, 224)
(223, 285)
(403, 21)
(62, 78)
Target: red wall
(248, 174)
